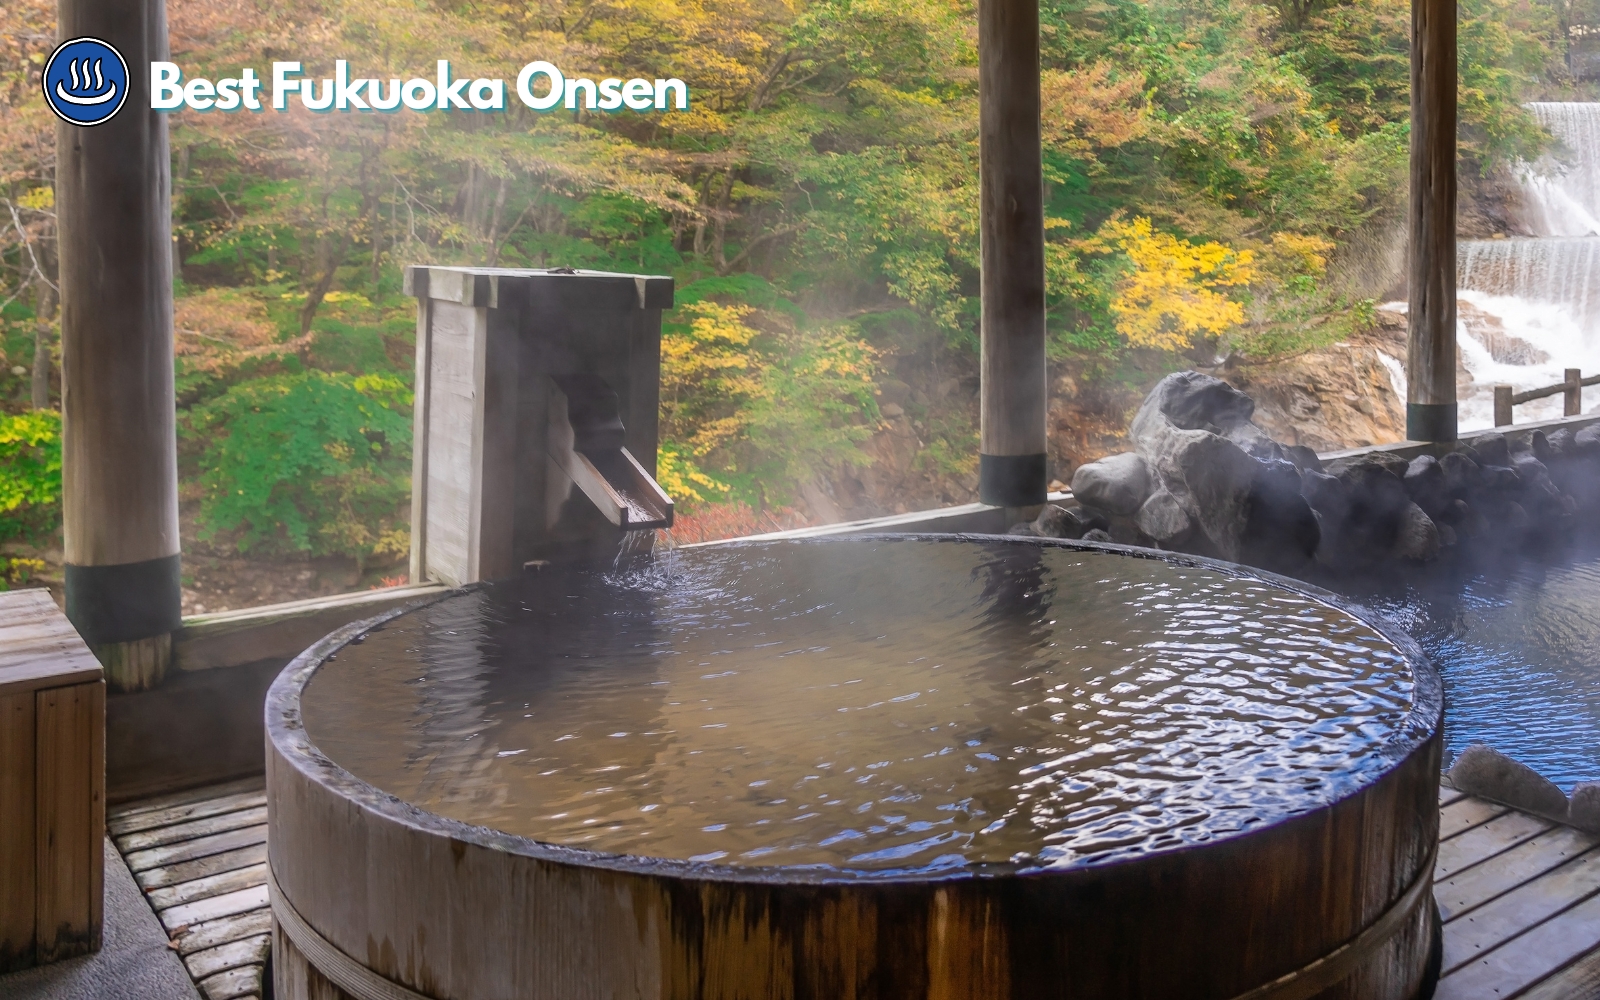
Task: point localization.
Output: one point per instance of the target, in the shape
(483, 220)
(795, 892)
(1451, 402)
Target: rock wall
(1205, 478)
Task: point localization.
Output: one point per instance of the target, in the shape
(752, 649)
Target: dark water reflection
(869, 706)
(1517, 640)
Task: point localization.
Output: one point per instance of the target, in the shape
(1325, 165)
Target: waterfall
(1527, 308)
(1562, 189)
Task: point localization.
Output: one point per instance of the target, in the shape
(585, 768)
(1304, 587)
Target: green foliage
(310, 463)
(30, 474)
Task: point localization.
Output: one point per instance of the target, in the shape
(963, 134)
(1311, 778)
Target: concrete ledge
(1411, 449)
(248, 635)
(970, 518)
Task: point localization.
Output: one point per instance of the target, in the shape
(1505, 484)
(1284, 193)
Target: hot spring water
(870, 706)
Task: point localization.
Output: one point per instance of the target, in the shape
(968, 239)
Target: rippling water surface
(1518, 645)
(869, 706)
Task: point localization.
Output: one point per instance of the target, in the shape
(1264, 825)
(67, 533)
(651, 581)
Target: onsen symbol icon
(85, 81)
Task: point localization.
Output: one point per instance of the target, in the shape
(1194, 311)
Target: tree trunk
(41, 346)
(335, 255)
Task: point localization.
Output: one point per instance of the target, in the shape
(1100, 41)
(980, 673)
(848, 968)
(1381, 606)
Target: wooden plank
(1483, 842)
(1466, 813)
(233, 984)
(17, 854)
(234, 954)
(1528, 958)
(189, 797)
(1580, 979)
(38, 646)
(125, 824)
(215, 864)
(193, 829)
(1528, 860)
(70, 823)
(1528, 905)
(1448, 795)
(171, 854)
(225, 905)
(205, 888)
(224, 929)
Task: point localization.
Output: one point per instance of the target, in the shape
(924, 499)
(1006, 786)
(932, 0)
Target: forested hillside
(1218, 173)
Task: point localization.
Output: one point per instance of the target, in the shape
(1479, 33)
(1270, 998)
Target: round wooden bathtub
(376, 898)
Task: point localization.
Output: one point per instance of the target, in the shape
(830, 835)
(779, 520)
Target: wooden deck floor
(1521, 902)
(1520, 895)
(201, 859)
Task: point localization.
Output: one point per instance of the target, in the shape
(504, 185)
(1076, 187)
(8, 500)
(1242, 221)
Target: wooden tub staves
(376, 898)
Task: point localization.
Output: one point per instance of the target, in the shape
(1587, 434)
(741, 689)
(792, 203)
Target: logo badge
(85, 81)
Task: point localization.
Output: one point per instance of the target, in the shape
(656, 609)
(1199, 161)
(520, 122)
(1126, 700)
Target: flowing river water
(1528, 307)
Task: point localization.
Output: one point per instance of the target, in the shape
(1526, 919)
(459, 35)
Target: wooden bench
(52, 785)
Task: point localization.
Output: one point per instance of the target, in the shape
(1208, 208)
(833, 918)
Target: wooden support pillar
(1431, 350)
(1011, 207)
(119, 445)
(1573, 398)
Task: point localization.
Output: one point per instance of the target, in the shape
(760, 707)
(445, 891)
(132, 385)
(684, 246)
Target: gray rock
(1587, 440)
(1281, 532)
(1559, 442)
(1492, 775)
(1541, 447)
(1023, 528)
(1209, 475)
(1328, 495)
(1195, 402)
(1492, 449)
(1097, 535)
(1425, 483)
(1516, 516)
(1418, 537)
(1303, 458)
(1461, 473)
(1063, 522)
(1163, 519)
(1583, 810)
(1117, 483)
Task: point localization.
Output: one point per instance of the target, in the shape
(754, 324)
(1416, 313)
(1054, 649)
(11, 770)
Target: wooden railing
(1505, 398)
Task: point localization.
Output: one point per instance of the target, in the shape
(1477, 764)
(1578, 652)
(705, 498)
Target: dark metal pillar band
(1012, 480)
(125, 601)
(1430, 421)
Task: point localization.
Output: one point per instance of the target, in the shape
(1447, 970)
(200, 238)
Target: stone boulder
(1418, 538)
(1492, 775)
(1427, 485)
(1583, 810)
(1163, 519)
(1207, 474)
(1065, 522)
(1281, 529)
(1117, 484)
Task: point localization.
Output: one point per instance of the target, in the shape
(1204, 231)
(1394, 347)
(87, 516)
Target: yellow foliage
(1174, 293)
(709, 358)
(684, 481)
(1297, 253)
(39, 199)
